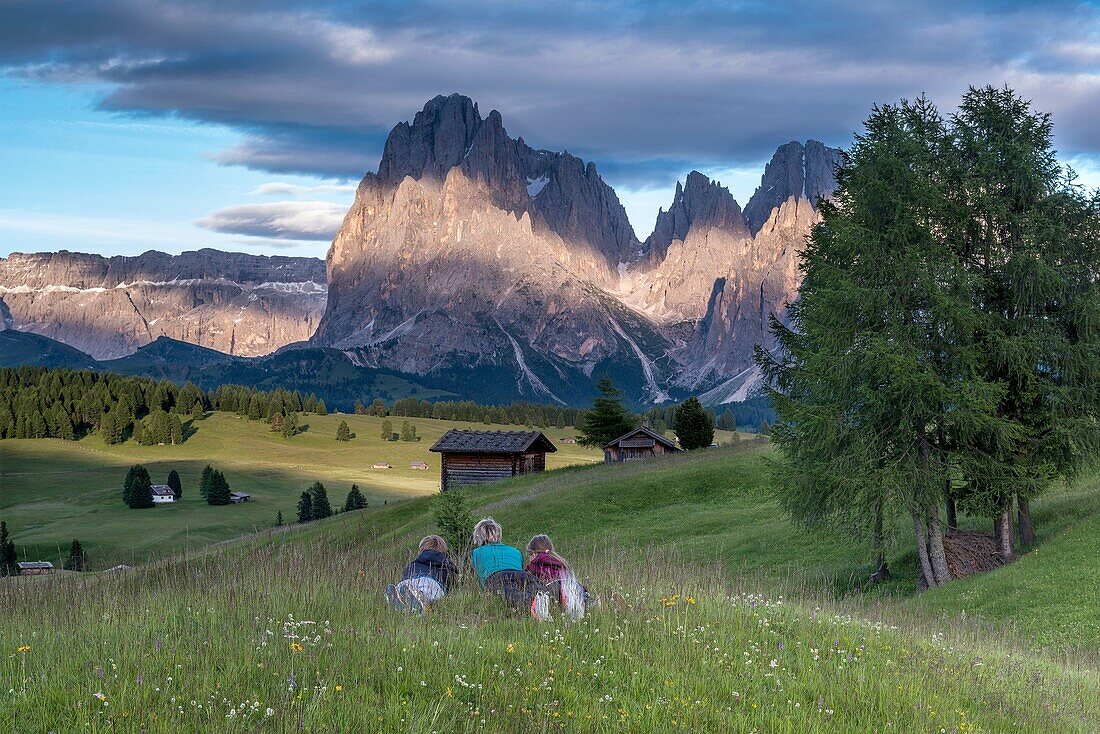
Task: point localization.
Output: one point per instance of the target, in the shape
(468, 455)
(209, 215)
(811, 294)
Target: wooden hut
(34, 568)
(641, 443)
(473, 457)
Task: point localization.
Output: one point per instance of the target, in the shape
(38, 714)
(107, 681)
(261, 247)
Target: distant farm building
(162, 493)
(34, 568)
(641, 443)
(568, 439)
(381, 465)
(239, 497)
(473, 457)
(419, 465)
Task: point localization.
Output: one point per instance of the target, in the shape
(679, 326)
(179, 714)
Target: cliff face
(108, 307)
(471, 252)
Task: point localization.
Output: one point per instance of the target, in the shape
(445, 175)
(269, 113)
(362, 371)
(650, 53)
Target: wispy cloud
(282, 220)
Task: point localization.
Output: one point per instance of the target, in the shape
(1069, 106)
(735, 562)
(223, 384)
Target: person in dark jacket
(425, 580)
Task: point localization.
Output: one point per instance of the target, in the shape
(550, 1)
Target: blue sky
(128, 125)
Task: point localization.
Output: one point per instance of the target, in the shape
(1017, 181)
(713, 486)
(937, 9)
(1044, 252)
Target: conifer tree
(8, 557)
(76, 560)
(321, 408)
(279, 519)
(205, 481)
(218, 493)
(134, 476)
(197, 412)
(175, 484)
(290, 425)
(343, 433)
(305, 508)
(355, 499)
(141, 491)
(607, 419)
(387, 429)
(694, 426)
(319, 504)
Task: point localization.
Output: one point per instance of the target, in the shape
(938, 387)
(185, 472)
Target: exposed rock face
(108, 307)
(470, 253)
(796, 170)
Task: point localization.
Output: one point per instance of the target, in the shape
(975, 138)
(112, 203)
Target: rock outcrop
(795, 171)
(108, 307)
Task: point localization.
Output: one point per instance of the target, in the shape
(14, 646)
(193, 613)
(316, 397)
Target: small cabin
(641, 443)
(239, 497)
(474, 457)
(419, 465)
(34, 568)
(381, 465)
(162, 493)
(568, 439)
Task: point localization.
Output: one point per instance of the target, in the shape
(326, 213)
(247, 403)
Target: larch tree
(343, 433)
(607, 419)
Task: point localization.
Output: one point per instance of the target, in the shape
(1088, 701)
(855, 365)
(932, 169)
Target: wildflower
(24, 648)
(295, 647)
(510, 649)
(269, 712)
(339, 688)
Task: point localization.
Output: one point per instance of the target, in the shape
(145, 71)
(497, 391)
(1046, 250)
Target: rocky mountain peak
(796, 170)
(435, 142)
(698, 202)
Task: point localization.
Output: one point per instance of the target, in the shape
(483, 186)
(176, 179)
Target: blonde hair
(540, 544)
(487, 531)
(433, 542)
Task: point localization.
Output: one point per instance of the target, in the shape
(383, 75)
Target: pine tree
(141, 491)
(694, 426)
(355, 500)
(8, 557)
(726, 421)
(279, 519)
(305, 508)
(319, 505)
(387, 429)
(290, 425)
(205, 481)
(76, 560)
(343, 433)
(175, 484)
(175, 429)
(277, 421)
(321, 408)
(218, 493)
(197, 412)
(137, 474)
(254, 408)
(408, 431)
(454, 519)
(113, 427)
(607, 419)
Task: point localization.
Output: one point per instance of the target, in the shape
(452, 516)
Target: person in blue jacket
(500, 571)
(425, 580)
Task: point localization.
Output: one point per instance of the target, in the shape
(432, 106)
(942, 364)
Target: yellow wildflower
(510, 649)
(295, 647)
(24, 648)
(339, 688)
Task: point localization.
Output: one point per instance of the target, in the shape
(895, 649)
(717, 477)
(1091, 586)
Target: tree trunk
(1027, 530)
(882, 570)
(922, 550)
(952, 514)
(937, 554)
(1004, 533)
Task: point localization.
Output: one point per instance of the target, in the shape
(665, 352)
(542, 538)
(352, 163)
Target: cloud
(647, 89)
(281, 220)
(279, 188)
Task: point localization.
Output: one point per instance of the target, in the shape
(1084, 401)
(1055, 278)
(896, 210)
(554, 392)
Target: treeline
(40, 402)
(518, 413)
(754, 414)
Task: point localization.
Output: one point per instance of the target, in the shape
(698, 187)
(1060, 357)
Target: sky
(129, 125)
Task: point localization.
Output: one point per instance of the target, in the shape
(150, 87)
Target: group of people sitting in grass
(526, 587)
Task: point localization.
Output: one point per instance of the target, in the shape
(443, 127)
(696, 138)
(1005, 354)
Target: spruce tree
(694, 426)
(175, 484)
(355, 499)
(76, 560)
(321, 408)
(305, 508)
(175, 429)
(387, 429)
(290, 425)
(343, 433)
(319, 505)
(218, 493)
(279, 519)
(141, 491)
(197, 412)
(8, 557)
(205, 481)
(607, 419)
(136, 474)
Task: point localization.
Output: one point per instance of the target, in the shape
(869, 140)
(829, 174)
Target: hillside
(736, 645)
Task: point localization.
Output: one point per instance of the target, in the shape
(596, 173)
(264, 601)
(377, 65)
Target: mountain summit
(475, 260)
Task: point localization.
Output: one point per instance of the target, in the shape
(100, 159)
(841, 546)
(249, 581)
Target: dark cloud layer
(647, 89)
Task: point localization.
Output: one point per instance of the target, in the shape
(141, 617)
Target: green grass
(52, 491)
(719, 586)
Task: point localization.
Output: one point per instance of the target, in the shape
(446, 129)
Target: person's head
(487, 531)
(433, 543)
(540, 544)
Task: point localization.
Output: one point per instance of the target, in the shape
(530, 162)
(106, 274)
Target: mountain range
(473, 263)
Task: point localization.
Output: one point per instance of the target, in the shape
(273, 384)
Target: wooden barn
(34, 568)
(641, 443)
(473, 457)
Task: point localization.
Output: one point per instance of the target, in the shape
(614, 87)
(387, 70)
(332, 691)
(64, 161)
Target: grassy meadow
(735, 620)
(52, 491)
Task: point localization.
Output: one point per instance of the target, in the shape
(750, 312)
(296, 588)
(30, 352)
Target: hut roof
(492, 442)
(34, 564)
(630, 439)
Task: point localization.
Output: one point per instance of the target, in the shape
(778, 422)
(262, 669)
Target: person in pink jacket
(547, 566)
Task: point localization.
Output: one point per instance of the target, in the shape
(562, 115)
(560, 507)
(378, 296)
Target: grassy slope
(52, 491)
